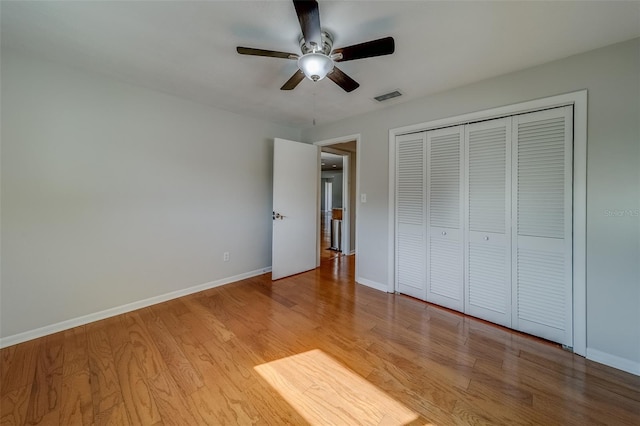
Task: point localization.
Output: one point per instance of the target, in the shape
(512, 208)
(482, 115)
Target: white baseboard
(372, 284)
(614, 361)
(86, 319)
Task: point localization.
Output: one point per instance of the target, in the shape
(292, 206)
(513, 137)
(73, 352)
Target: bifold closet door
(411, 241)
(542, 218)
(444, 217)
(488, 220)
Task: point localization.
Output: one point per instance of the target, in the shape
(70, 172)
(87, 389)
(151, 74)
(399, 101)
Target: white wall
(336, 189)
(112, 193)
(323, 191)
(611, 76)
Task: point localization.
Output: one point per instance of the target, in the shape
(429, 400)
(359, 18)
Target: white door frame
(344, 139)
(346, 201)
(579, 102)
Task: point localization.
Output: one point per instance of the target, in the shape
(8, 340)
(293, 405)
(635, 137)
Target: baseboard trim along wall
(614, 361)
(372, 284)
(86, 319)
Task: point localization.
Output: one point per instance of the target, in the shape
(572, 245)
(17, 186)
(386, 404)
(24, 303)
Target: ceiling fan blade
(293, 81)
(309, 18)
(343, 80)
(268, 53)
(369, 49)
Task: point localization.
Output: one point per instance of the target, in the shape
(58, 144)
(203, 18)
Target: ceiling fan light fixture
(318, 57)
(315, 66)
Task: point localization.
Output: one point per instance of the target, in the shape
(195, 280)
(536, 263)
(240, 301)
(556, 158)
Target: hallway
(325, 242)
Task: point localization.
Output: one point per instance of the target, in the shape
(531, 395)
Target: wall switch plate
(363, 198)
(225, 256)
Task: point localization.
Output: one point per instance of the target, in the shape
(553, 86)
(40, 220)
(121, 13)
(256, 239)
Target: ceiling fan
(318, 59)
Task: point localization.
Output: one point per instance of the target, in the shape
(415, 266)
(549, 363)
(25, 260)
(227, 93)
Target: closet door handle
(444, 232)
(486, 238)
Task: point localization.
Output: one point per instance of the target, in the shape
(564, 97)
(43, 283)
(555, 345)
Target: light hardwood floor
(311, 349)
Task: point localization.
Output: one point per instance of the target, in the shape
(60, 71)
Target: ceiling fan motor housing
(325, 49)
(315, 62)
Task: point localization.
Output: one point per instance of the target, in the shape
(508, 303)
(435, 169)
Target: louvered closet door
(411, 215)
(542, 217)
(488, 220)
(444, 217)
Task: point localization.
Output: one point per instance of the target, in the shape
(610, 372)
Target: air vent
(389, 95)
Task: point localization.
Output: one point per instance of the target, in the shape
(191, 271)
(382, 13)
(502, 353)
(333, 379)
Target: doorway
(338, 224)
(332, 204)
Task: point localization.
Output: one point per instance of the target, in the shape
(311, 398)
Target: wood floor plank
(250, 392)
(7, 355)
(76, 407)
(202, 331)
(44, 401)
(76, 357)
(104, 382)
(176, 361)
(200, 359)
(229, 376)
(19, 365)
(215, 407)
(143, 344)
(207, 318)
(14, 405)
(114, 416)
(140, 405)
(172, 404)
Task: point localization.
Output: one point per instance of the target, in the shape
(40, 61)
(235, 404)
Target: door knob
(278, 216)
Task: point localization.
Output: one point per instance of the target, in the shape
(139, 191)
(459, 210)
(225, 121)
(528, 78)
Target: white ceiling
(188, 48)
(331, 161)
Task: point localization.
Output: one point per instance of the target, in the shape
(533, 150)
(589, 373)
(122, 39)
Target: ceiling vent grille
(389, 95)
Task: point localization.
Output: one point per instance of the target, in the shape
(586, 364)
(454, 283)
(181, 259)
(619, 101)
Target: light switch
(363, 198)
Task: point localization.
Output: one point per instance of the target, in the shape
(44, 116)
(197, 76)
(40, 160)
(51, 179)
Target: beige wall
(112, 193)
(612, 77)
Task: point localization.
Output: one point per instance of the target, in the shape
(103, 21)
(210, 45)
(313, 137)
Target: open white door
(295, 208)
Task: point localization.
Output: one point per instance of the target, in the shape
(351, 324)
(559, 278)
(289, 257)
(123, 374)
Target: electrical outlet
(225, 256)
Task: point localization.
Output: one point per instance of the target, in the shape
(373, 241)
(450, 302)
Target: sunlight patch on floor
(325, 392)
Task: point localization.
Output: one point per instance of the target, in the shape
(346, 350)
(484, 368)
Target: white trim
(96, 316)
(346, 196)
(374, 285)
(580, 223)
(503, 111)
(346, 203)
(391, 229)
(342, 139)
(614, 361)
(579, 101)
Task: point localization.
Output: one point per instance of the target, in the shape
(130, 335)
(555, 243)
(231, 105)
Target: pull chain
(314, 106)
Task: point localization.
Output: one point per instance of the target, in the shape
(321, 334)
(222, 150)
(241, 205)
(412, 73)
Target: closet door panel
(411, 232)
(488, 289)
(542, 215)
(445, 180)
(488, 220)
